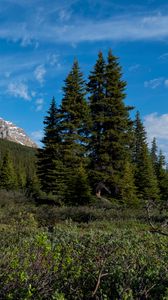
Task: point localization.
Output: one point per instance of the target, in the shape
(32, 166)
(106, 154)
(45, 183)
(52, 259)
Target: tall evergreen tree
(8, 177)
(74, 117)
(145, 178)
(50, 166)
(75, 120)
(110, 135)
(118, 124)
(97, 92)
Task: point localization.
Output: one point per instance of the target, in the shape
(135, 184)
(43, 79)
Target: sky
(39, 40)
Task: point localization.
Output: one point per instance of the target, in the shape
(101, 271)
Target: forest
(85, 216)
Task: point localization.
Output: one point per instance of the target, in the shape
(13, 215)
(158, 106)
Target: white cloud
(164, 56)
(130, 27)
(53, 59)
(26, 41)
(119, 28)
(33, 93)
(134, 68)
(20, 90)
(39, 73)
(40, 101)
(64, 15)
(157, 126)
(39, 104)
(166, 82)
(154, 83)
(74, 45)
(37, 137)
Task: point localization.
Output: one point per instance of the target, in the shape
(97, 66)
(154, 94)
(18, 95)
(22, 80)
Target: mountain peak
(11, 132)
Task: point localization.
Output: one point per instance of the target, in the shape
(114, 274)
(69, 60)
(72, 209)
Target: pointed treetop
(154, 150)
(161, 159)
(139, 127)
(75, 62)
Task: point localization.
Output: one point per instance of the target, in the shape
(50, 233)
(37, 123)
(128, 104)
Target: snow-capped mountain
(15, 134)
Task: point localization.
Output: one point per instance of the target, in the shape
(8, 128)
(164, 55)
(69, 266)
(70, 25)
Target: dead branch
(100, 276)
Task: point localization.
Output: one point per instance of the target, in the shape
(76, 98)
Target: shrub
(72, 263)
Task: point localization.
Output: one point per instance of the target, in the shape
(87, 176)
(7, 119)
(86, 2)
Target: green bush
(50, 252)
(73, 263)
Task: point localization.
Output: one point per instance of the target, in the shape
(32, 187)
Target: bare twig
(101, 275)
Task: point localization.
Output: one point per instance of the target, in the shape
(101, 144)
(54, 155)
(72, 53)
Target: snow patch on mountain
(11, 132)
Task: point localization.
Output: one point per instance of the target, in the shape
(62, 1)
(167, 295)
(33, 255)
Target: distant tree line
(92, 146)
(17, 166)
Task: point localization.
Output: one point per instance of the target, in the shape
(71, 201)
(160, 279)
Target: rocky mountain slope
(15, 134)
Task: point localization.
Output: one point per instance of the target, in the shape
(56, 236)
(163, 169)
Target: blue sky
(40, 38)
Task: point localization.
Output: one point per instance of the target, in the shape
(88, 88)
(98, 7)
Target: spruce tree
(129, 191)
(79, 192)
(118, 124)
(96, 89)
(75, 120)
(145, 178)
(74, 117)
(50, 166)
(8, 178)
(21, 178)
(32, 186)
(21, 175)
(110, 134)
(162, 177)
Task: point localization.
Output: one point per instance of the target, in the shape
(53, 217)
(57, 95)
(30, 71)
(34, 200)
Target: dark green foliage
(49, 166)
(148, 181)
(100, 139)
(117, 121)
(8, 178)
(96, 89)
(139, 139)
(159, 165)
(128, 189)
(154, 155)
(74, 118)
(65, 141)
(145, 178)
(23, 160)
(21, 178)
(110, 134)
(79, 191)
(162, 177)
(32, 187)
(74, 126)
